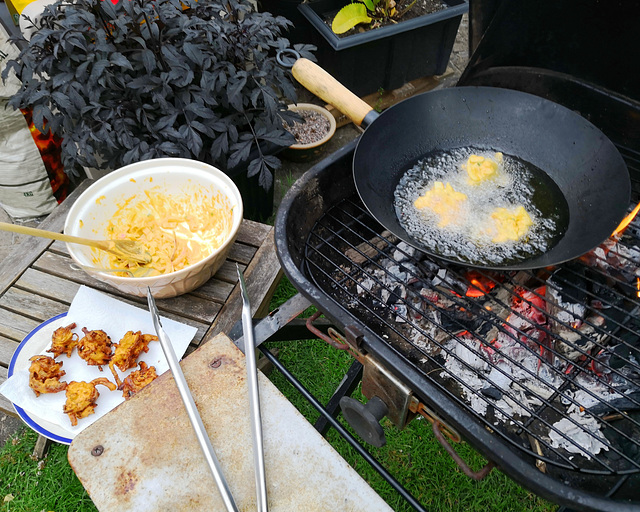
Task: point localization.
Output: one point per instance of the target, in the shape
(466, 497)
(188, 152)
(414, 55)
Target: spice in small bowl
(318, 127)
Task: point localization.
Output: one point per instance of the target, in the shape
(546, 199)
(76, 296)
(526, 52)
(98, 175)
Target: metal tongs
(254, 397)
(190, 406)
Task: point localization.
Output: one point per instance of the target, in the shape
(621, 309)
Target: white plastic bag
(25, 187)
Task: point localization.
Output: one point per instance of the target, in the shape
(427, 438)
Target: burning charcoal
(391, 297)
(467, 350)
(440, 277)
(630, 254)
(527, 322)
(366, 285)
(401, 312)
(403, 252)
(630, 402)
(406, 273)
(500, 379)
(370, 249)
(429, 267)
(492, 392)
(574, 344)
(624, 353)
(566, 296)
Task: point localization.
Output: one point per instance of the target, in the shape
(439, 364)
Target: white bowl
(90, 214)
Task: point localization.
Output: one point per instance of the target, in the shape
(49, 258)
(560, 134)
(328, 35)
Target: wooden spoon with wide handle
(125, 249)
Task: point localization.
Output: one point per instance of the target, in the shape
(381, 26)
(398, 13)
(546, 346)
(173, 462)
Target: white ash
(313, 128)
(469, 383)
(500, 376)
(467, 350)
(571, 312)
(580, 438)
(630, 253)
(432, 331)
(516, 403)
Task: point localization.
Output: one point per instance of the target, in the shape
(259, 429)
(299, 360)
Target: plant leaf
(371, 4)
(348, 17)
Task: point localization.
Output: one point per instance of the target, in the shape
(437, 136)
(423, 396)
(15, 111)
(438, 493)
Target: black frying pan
(584, 164)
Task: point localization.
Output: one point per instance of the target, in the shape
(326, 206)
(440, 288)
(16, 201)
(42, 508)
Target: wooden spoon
(125, 249)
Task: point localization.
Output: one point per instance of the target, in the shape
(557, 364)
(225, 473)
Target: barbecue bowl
(90, 214)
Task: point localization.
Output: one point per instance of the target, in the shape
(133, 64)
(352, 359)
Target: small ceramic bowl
(90, 214)
(303, 152)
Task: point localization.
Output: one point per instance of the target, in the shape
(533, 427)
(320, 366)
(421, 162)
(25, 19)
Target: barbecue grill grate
(547, 359)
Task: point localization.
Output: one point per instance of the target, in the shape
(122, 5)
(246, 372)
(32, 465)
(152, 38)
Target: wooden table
(37, 282)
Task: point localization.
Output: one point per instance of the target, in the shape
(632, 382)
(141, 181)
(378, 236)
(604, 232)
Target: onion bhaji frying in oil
(137, 380)
(95, 348)
(82, 396)
(128, 350)
(63, 341)
(44, 375)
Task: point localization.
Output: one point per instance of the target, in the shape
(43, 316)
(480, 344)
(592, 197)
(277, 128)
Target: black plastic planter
(299, 33)
(385, 57)
(257, 202)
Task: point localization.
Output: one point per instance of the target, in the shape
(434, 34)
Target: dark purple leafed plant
(145, 79)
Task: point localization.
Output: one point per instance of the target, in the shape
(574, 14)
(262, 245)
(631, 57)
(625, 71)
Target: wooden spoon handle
(316, 80)
(52, 235)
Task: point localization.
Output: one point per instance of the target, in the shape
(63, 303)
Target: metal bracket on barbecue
(377, 381)
(355, 338)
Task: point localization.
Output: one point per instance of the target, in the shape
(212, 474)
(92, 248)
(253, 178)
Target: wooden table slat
(241, 253)
(7, 348)
(252, 233)
(47, 285)
(215, 290)
(228, 273)
(15, 326)
(31, 305)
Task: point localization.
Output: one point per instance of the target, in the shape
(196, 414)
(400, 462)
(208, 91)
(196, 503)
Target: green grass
(412, 455)
(30, 485)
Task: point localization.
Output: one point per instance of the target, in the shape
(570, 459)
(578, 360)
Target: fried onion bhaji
(82, 396)
(128, 350)
(137, 380)
(44, 375)
(63, 341)
(95, 348)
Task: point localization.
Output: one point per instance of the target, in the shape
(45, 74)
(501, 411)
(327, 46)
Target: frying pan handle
(322, 84)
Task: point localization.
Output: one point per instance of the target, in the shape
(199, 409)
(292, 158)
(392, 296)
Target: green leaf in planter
(348, 17)
(371, 4)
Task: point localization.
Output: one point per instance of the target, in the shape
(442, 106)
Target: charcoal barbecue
(537, 369)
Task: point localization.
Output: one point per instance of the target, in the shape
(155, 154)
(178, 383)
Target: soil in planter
(420, 8)
(314, 128)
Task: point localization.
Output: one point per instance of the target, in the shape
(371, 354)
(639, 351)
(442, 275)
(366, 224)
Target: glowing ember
(479, 286)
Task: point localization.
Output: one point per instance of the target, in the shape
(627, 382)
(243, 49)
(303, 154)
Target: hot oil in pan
(467, 238)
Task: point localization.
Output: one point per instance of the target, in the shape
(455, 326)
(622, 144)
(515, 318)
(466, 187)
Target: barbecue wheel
(365, 418)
